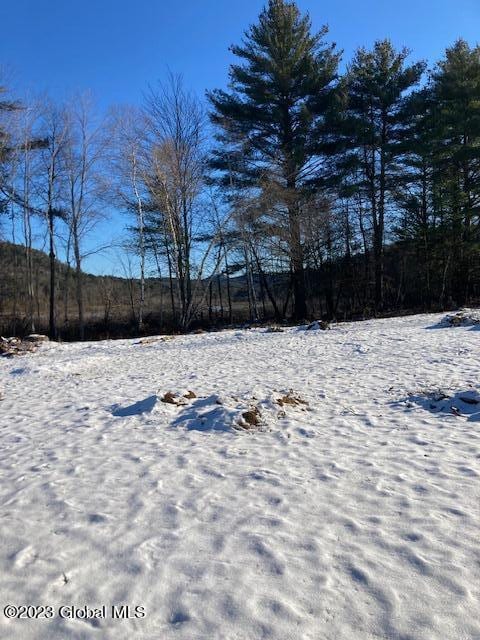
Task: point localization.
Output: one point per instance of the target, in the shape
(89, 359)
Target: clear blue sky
(117, 47)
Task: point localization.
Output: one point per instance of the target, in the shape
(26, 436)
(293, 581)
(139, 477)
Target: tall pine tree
(267, 121)
(367, 133)
(456, 93)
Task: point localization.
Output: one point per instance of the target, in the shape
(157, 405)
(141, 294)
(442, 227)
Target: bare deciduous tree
(55, 131)
(83, 152)
(176, 135)
(129, 182)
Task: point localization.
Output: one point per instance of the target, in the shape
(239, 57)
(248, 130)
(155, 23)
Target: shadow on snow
(137, 409)
(463, 403)
(205, 414)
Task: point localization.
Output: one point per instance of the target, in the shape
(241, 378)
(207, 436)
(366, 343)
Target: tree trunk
(298, 272)
(79, 282)
(52, 324)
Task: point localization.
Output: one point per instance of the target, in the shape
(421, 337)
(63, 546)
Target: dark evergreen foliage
(267, 122)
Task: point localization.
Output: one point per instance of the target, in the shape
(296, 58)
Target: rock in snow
(10, 347)
(319, 325)
(463, 318)
(36, 337)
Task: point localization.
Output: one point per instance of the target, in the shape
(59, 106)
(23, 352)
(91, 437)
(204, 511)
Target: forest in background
(298, 193)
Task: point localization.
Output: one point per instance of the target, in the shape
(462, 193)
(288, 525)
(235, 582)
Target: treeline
(111, 303)
(342, 195)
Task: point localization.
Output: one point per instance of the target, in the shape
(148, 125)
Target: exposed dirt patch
(291, 400)
(148, 341)
(178, 399)
(10, 347)
(170, 398)
(251, 418)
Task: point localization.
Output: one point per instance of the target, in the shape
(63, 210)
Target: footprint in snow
(25, 557)
(179, 617)
(96, 518)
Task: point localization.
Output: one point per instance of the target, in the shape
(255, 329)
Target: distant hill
(109, 300)
(105, 296)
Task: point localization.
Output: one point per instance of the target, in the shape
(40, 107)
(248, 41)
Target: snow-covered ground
(354, 516)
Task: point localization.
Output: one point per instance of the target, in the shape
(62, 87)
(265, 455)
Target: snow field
(356, 516)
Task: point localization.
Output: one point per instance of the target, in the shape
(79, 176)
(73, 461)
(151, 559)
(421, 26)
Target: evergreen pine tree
(267, 120)
(456, 92)
(368, 132)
